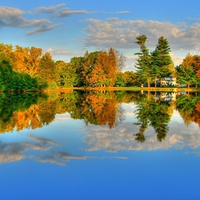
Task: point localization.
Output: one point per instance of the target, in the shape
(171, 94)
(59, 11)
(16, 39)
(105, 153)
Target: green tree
(14, 81)
(65, 74)
(77, 64)
(130, 78)
(143, 65)
(46, 71)
(187, 71)
(120, 81)
(162, 63)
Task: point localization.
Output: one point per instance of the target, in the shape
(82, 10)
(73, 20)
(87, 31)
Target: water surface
(100, 145)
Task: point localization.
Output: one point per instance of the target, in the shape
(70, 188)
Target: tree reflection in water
(103, 108)
(155, 109)
(32, 111)
(154, 112)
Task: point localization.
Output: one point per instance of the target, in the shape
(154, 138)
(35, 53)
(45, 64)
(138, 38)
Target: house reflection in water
(167, 96)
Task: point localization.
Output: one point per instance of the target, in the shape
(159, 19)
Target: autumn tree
(197, 65)
(187, 71)
(6, 53)
(26, 60)
(88, 64)
(46, 70)
(106, 66)
(103, 64)
(97, 76)
(112, 67)
(35, 55)
(21, 62)
(98, 68)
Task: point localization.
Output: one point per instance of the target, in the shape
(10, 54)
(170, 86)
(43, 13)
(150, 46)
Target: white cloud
(59, 10)
(12, 17)
(123, 12)
(122, 33)
(49, 9)
(177, 59)
(130, 62)
(9, 12)
(67, 12)
(42, 28)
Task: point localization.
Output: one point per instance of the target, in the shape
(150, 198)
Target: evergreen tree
(144, 68)
(162, 63)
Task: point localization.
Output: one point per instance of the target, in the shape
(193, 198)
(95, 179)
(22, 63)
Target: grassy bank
(110, 89)
(140, 89)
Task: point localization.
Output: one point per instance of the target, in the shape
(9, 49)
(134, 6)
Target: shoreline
(106, 89)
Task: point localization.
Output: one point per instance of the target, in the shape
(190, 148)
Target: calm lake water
(100, 145)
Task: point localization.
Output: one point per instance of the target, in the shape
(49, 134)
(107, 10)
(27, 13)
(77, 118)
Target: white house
(168, 81)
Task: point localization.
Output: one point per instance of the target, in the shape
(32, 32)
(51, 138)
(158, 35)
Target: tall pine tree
(143, 65)
(162, 63)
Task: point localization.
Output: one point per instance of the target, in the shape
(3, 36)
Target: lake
(100, 145)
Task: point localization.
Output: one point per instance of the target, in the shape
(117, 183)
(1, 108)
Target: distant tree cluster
(30, 69)
(153, 66)
(188, 72)
(23, 68)
(97, 69)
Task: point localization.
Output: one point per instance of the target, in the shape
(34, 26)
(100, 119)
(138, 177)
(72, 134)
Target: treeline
(153, 66)
(29, 69)
(24, 68)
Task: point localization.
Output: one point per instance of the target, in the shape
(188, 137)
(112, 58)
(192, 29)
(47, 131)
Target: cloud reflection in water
(12, 152)
(123, 137)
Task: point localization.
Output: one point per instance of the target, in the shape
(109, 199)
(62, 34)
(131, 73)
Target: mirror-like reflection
(152, 109)
(99, 141)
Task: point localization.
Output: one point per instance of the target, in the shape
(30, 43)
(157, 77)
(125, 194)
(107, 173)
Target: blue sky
(69, 28)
